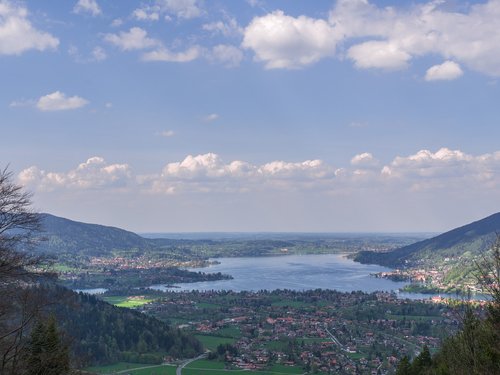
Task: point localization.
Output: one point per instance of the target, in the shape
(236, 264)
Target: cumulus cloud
(58, 101)
(228, 55)
(182, 9)
(17, 34)
(365, 159)
(134, 39)
(282, 41)
(167, 133)
(376, 54)
(210, 117)
(87, 6)
(99, 54)
(93, 174)
(447, 71)
(382, 37)
(443, 170)
(166, 55)
(227, 28)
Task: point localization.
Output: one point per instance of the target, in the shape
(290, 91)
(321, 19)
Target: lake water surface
(296, 272)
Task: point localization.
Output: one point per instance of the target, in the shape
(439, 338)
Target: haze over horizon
(254, 116)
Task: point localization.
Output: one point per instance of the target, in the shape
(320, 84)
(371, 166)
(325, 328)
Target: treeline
(136, 278)
(101, 333)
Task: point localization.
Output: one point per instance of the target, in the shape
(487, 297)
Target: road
(335, 340)
(185, 363)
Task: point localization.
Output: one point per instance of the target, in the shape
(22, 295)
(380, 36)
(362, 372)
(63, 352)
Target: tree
(19, 305)
(46, 354)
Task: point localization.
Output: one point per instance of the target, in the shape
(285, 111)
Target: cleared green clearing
(286, 369)
(157, 370)
(109, 369)
(124, 301)
(206, 364)
(230, 331)
(62, 268)
(192, 371)
(356, 355)
(212, 342)
(206, 305)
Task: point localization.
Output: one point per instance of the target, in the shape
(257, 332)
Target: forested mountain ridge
(90, 239)
(101, 333)
(469, 240)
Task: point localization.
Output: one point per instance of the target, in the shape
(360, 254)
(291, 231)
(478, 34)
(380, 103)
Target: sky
(256, 115)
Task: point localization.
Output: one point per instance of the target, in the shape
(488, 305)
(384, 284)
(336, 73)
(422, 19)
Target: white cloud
(117, 22)
(182, 9)
(227, 55)
(365, 159)
(145, 14)
(447, 71)
(282, 41)
(17, 34)
(186, 9)
(134, 39)
(58, 101)
(95, 173)
(381, 37)
(166, 55)
(167, 133)
(211, 117)
(87, 6)
(99, 54)
(228, 28)
(376, 54)
(443, 170)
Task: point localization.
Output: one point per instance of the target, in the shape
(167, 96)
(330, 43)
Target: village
(319, 331)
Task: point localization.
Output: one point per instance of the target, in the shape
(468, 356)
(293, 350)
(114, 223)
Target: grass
(129, 302)
(206, 364)
(156, 370)
(109, 369)
(286, 369)
(212, 342)
(230, 331)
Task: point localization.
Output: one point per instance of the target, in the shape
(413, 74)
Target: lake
(297, 272)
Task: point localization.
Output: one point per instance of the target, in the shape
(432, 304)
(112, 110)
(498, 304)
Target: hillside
(64, 235)
(467, 241)
(101, 333)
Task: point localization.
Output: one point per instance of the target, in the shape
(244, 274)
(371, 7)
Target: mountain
(64, 235)
(468, 241)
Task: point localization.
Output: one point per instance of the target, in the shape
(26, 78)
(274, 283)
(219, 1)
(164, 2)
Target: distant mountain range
(467, 241)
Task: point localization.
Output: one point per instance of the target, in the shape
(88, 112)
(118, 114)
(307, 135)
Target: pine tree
(47, 355)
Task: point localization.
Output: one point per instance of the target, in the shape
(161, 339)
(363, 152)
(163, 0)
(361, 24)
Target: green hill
(68, 236)
(468, 241)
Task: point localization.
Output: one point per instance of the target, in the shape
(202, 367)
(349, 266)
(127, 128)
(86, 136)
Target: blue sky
(170, 115)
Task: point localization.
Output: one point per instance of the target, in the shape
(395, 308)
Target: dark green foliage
(404, 367)
(102, 333)
(46, 353)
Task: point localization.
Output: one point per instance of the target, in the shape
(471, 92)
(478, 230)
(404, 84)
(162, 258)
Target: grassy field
(212, 342)
(230, 331)
(124, 301)
(157, 370)
(206, 364)
(114, 368)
